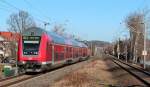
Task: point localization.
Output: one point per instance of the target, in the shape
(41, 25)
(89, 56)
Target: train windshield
(31, 45)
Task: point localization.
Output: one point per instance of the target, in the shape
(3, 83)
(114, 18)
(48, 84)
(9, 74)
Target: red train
(40, 50)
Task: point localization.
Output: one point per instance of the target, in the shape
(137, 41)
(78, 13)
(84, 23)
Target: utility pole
(45, 25)
(126, 53)
(118, 48)
(126, 48)
(91, 49)
(144, 51)
(113, 49)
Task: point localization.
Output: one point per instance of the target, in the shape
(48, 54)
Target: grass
(77, 79)
(87, 76)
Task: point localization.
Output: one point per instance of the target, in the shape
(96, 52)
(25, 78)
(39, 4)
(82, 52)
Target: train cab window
(31, 45)
(30, 48)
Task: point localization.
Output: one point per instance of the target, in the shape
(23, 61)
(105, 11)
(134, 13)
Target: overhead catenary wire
(9, 4)
(18, 9)
(4, 9)
(36, 9)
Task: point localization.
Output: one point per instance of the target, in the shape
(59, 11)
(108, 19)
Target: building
(8, 42)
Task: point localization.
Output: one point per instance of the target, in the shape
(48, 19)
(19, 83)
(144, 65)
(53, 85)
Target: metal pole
(45, 25)
(144, 45)
(118, 49)
(91, 49)
(16, 55)
(126, 54)
(126, 48)
(113, 49)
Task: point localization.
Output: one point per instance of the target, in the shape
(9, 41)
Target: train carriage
(40, 50)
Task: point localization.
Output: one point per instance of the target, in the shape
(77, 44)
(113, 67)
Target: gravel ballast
(46, 80)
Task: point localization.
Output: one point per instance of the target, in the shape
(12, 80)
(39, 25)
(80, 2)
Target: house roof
(10, 36)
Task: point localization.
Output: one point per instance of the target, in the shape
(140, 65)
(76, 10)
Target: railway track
(138, 73)
(23, 77)
(11, 77)
(16, 79)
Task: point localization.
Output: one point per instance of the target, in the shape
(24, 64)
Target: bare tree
(135, 22)
(18, 22)
(59, 29)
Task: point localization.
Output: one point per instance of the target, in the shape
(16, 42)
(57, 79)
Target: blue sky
(88, 19)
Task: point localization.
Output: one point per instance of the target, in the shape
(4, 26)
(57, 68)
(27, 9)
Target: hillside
(98, 43)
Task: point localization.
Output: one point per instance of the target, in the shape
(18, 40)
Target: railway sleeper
(70, 61)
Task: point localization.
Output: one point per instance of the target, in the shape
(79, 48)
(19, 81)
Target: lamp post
(118, 48)
(126, 47)
(91, 48)
(144, 51)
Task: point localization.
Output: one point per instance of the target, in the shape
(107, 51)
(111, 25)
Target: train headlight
(43, 63)
(23, 62)
(36, 53)
(25, 52)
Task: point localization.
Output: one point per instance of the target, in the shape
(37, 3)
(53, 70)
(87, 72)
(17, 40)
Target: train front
(30, 52)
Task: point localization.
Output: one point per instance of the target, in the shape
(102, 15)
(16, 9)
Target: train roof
(35, 31)
(55, 37)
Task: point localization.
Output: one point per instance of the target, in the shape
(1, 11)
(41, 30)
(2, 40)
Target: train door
(73, 52)
(56, 53)
(53, 56)
(65, 52)
(70, 52)
(59, 52)
(49, 52)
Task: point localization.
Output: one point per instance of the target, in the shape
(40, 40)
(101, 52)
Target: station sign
(31, 38)
(144, 53)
